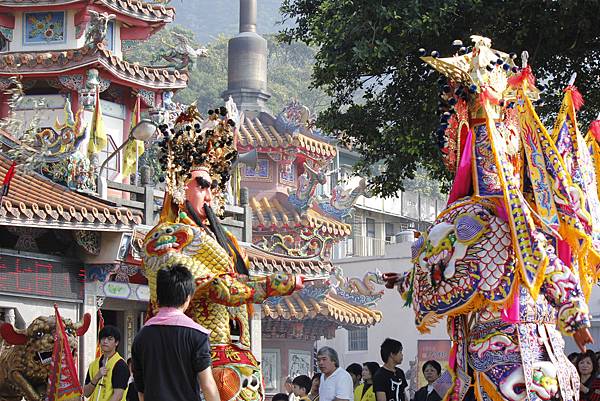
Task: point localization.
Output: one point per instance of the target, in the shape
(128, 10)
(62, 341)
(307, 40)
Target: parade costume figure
(514, 254)
(197, 157)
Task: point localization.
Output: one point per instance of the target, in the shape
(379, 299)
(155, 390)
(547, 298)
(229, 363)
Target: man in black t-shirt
(171, 353)
(389, 382)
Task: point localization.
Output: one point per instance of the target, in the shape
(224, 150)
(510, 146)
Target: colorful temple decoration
(69, 56)
(510, 262)
(321, 307)
(294, 220)
(59, 59)
(290, 216)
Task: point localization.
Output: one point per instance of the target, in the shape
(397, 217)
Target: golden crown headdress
(197, 143)
(481, 68)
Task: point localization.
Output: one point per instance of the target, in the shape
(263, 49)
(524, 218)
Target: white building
(362, 345)
(376, 221)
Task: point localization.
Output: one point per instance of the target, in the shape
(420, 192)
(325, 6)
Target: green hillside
(210, 18)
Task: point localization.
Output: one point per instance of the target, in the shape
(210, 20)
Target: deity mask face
(466, 252)
(198, 192)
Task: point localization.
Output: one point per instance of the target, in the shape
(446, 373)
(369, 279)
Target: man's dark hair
(388, 347)
(174, 286)
(304, 382)
(280, 397)
(434, 364)
(355, 369)
(110, 331)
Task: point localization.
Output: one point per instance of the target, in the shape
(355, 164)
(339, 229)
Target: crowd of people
(109, 378)
(369, 382)
(387, 382)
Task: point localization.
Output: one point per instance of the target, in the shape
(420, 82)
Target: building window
(358, 339)
(389, 233)
(109, 38)
(370, 223)
(112, 169)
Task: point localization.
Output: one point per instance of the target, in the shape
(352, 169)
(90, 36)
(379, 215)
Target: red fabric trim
(518, 79)
(575, 96)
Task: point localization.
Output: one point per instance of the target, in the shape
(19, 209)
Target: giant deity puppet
(197, 156)
(515, 253)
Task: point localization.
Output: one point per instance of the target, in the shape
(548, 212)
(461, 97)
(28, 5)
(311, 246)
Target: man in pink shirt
(171, 353)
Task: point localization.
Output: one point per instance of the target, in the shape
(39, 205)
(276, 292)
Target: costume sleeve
(120, 375)
(138, 367)
(562, 290)
(201, 358)
(235, 289)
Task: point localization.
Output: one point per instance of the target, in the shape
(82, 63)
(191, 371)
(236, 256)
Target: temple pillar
(256, 332)
(87, 343)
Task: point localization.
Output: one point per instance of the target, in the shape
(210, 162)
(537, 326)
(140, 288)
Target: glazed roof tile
(34, 200)
(269, 214)
(255, 134)
(331, 307)
(141, 10)
(44, 62)
(308, 329)
(263, 262)
(134, 8)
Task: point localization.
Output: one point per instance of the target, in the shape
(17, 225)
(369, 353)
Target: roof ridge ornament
(98, 27)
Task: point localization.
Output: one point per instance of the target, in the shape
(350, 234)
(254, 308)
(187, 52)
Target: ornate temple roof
(42, 63)
(133, 8)
(320, 303)
(35, 200)
(273, 215)
(263, 262)
(265, 137)
(295, 307)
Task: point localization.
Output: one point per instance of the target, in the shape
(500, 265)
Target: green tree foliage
(289, 73)
(384, 101)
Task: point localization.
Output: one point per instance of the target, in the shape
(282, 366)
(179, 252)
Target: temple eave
(137, 10)
(330, 309)
(40, 64)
